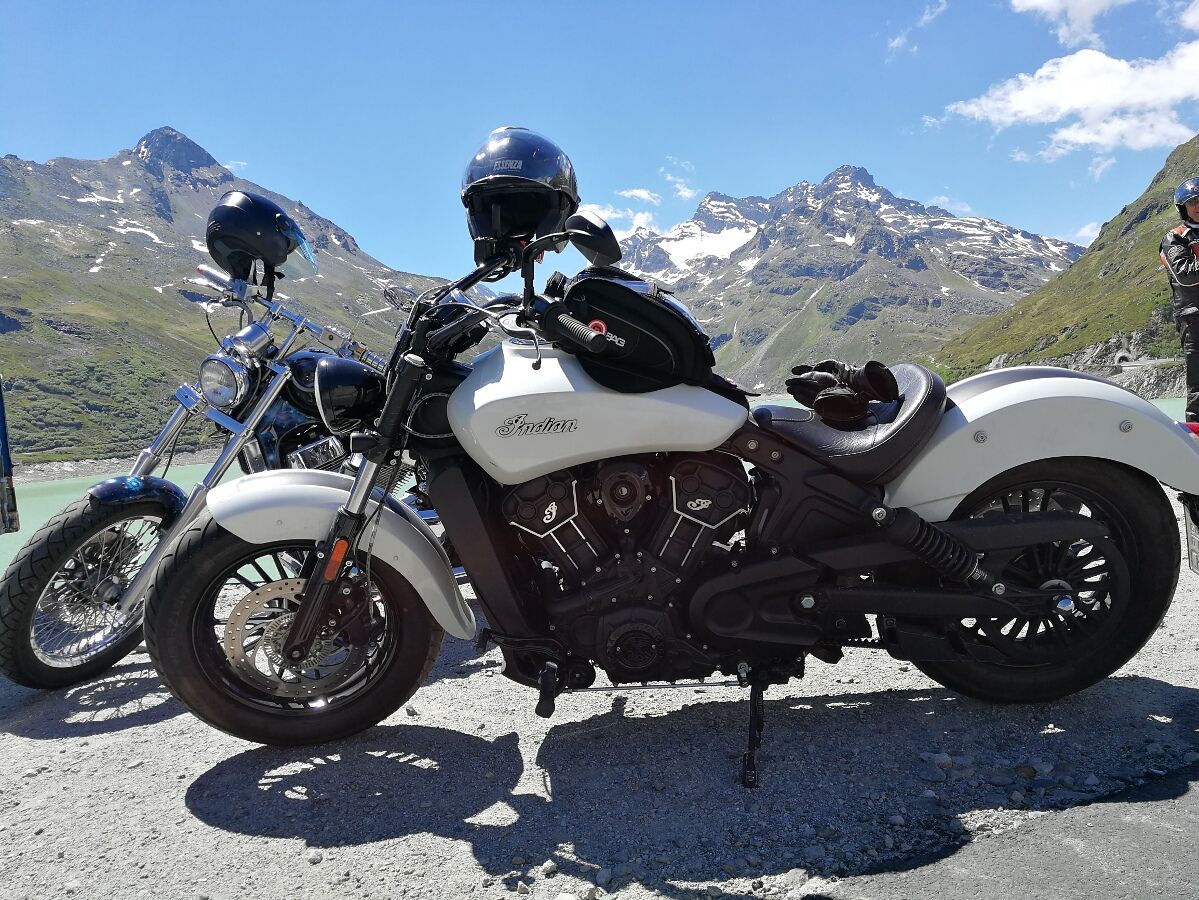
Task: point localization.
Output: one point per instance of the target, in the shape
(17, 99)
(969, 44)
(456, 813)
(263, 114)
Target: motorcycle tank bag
(653, 341)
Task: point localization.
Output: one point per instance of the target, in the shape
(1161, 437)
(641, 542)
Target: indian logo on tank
(698, 503)
(520, 426)
(551, 512)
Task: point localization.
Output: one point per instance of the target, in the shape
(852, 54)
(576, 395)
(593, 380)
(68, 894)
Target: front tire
(215, 617)
(1144, 530)
(59, 623)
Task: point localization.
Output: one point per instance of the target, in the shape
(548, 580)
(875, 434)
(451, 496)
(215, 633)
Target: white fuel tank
(518, 422)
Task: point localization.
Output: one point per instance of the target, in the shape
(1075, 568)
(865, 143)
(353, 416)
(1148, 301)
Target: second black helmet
(517, 186)
(245, 227)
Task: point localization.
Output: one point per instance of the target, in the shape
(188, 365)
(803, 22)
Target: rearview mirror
(593, 237)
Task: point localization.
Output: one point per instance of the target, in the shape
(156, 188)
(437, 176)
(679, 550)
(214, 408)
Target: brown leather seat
(879, 448)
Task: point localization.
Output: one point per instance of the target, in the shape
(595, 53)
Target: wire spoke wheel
(76, 617)
(250, 606)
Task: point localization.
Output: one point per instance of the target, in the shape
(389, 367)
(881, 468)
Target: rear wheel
(1115, 591)
(216, 619)
(59, 619)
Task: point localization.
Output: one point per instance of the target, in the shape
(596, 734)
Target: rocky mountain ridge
(842, 268)
(100, 320)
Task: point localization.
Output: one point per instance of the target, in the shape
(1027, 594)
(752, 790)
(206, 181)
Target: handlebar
(589, 340)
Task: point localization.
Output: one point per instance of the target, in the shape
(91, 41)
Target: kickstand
(547, 683)
(757, 720)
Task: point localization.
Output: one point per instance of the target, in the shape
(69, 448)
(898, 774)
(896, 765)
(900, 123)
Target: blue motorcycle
(71, 600)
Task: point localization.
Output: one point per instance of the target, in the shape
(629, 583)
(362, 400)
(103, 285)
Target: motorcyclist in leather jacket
(1180, 255)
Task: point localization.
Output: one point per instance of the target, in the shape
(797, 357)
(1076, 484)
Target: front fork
(334, 556)
(191, 402)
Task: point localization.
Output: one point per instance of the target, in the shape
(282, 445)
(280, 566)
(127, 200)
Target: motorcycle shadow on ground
(129, 695)
(657, 798)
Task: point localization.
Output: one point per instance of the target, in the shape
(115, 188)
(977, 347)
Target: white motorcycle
(618, 506)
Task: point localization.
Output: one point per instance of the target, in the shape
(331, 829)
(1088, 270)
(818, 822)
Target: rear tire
(69, 550)
(1143, 528)
(183, 628)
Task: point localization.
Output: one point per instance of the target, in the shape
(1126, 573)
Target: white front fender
(299, 504)
(1003, 419)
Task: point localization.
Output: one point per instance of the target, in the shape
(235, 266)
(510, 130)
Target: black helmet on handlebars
(245, 227)
(518, 185)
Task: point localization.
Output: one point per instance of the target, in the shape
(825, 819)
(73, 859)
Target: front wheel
(59, 619)
(1120, 587)
(216, 619)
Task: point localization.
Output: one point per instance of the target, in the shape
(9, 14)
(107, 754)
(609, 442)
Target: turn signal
(336, 557)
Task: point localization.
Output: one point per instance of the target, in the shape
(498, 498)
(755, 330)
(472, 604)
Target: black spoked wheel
(59, 617)
(1113, 591)
(215, 625)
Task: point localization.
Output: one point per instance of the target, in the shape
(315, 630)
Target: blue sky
(1049, 115)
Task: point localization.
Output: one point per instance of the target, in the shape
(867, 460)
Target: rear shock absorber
(940, 550)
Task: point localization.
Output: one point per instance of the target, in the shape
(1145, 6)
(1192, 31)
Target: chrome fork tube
(149, 459)
(361, 490)
(240, 434)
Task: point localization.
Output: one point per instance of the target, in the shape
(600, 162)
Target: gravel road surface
(876, 782)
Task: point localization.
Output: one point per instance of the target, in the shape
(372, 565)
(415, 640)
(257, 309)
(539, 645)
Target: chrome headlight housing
(223, 381)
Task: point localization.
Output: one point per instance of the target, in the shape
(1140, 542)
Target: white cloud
(614, 215)
(643, 194)
(1019, 155)
(931, 122)
(1087, 233)
(1099, 165)
(1190, 16)
(954, 206)
(1074, 19)
(1106, 102)
(682, 189)
(683, 164)
(236, 165)
(931, 11)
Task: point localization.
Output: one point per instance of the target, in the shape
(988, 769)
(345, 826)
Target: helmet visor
(300, 262)
(1187, 191)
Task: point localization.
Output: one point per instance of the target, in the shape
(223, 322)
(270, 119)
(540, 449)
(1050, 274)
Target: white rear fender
(1010, 417)
(299, 504)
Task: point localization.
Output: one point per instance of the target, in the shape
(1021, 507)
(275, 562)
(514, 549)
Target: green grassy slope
(1115, 287)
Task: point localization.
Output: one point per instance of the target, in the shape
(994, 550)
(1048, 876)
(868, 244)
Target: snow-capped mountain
(842, 267)
(100, 322)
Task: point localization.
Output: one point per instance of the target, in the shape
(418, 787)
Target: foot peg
(547, 685)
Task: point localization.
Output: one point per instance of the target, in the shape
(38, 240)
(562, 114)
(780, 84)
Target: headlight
(223, 381)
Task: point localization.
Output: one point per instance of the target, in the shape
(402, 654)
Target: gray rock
(603, 876)
(730, 868)
(1042, 767)
(1090, 781)
(592, 893)
(314, 856)
(942, 760)
(566, 897)
(896, 820)
(956, 826)
(999, 779)
(623, 869)
(1026, 771)
(1155, 747)
(411, 710)
(1189, 757)
(813, 852)
(518, 860)
(963, 759)
(1017, 797)
(888, 842)
(932, 774)
(549, 868)
(522, 888)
